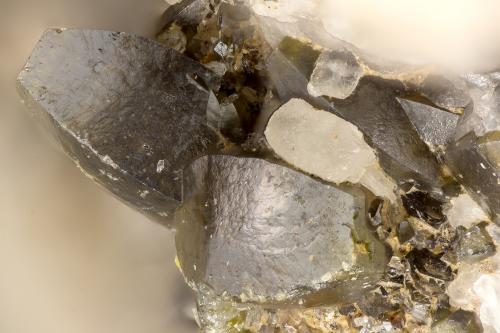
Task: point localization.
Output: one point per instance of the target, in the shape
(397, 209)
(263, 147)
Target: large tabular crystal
(260, 231)
(130, 112)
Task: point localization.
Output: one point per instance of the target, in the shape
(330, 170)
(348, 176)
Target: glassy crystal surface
(336, 74)
(130, 112)
(435, 126)
(260, 231)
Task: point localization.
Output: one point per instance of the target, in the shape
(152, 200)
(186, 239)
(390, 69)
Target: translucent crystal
(258, 231)
(289, 67)
(484, 116)
(326, 146)
(487, 289)
(464, 211)
(336, 74)
(119, 104)
(446, 92)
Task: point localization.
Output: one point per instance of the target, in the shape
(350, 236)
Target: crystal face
(312, 186)
(117, 102)
(266, 232)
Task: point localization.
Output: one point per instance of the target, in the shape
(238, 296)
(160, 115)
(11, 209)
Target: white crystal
(487, 289)
(485, 116)
(322, 144)
(464, 211)
(336, 74)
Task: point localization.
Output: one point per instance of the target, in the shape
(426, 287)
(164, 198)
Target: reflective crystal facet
(435, 126)
(119, 105)
(260, 231)
(336, 74)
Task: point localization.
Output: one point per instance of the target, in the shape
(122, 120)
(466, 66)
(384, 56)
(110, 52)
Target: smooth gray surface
(260, 229)
(127, 109)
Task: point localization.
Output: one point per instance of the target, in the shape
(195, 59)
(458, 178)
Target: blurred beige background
(72, 258)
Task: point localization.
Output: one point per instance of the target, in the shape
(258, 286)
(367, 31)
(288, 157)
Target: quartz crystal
(335, 74)
(313, 187)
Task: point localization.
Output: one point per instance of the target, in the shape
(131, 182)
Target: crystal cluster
(312, 187)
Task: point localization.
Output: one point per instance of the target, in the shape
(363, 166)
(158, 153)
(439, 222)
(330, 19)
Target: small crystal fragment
(435, 127)
(474, 244)
(119, 104)
(336, 74)
(484, 116)
(186, 13)
(446, 92)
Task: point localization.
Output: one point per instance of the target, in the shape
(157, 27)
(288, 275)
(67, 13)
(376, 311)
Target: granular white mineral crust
(326, 146)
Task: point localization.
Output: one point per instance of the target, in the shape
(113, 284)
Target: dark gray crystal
(374, 109)
(435, 126)
(130, 112)
(476, 172)
(262, 230)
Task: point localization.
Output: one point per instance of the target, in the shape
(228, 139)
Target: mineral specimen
(313, 187)
(130, 112)
(264, 232)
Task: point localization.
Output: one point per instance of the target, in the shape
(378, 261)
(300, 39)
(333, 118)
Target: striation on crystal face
(262, 232)
(120, 105)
